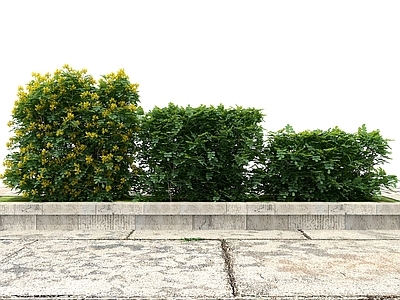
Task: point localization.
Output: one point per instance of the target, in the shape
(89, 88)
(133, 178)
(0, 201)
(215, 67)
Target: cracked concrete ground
(200, 265)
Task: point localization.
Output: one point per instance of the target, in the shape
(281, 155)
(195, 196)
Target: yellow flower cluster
(22, 95)
(7, 163)
(77, 168)
(39, 107)
(94, 97)
(46, 90)
(70, 116)
(106, 113)
(53, 105)
(71, 155)
(67, 67)
(19, 133)
(44, 127)
(40, 77)
(85, 105)
(85, 94)
(113, 77)
(91, 135)
(107, 158)
(32, 126)
(134, 87)
(89, 159)
(80, 147)
(131, 107)
(124, 137)
(45, 183)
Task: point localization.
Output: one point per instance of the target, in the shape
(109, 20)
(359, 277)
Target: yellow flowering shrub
(74, 137)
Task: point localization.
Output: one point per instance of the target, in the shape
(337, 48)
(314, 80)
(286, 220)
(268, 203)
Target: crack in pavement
(129, 234)
(226, 253)
(304, 234)
(17, 251)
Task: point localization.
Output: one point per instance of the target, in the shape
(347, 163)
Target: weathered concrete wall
(200, 216)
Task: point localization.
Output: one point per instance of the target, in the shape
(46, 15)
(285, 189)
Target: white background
(312, 64)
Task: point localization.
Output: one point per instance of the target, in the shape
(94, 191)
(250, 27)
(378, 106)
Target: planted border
(77, 139)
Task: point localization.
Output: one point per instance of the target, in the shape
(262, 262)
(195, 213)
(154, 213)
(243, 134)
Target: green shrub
(74, 137)
(200, 154)
(327, 165)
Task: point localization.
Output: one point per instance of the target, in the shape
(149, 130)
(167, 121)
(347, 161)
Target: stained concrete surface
(309, 268)
(200, 265)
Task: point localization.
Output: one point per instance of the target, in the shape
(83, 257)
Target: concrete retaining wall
(199, 216)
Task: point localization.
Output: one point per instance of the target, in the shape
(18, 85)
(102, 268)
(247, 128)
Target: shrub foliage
(73, 137)
(329, 165)
(200, 154)
(78, 139)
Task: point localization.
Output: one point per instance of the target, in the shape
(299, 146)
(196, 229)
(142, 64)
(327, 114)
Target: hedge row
(78, 139)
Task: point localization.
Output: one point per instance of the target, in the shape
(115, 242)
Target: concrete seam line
(17, 251)
(228, 260)
(45, 297)
(253, 297)
(317, 297)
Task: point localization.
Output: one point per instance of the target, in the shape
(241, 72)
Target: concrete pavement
(200, 264)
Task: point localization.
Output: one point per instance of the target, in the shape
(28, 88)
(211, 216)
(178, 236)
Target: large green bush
(329, 165)
(74, 137)
(200, 154)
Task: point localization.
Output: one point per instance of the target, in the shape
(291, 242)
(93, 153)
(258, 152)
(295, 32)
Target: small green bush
(327, 165)
(74, 137)
(200, 154)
